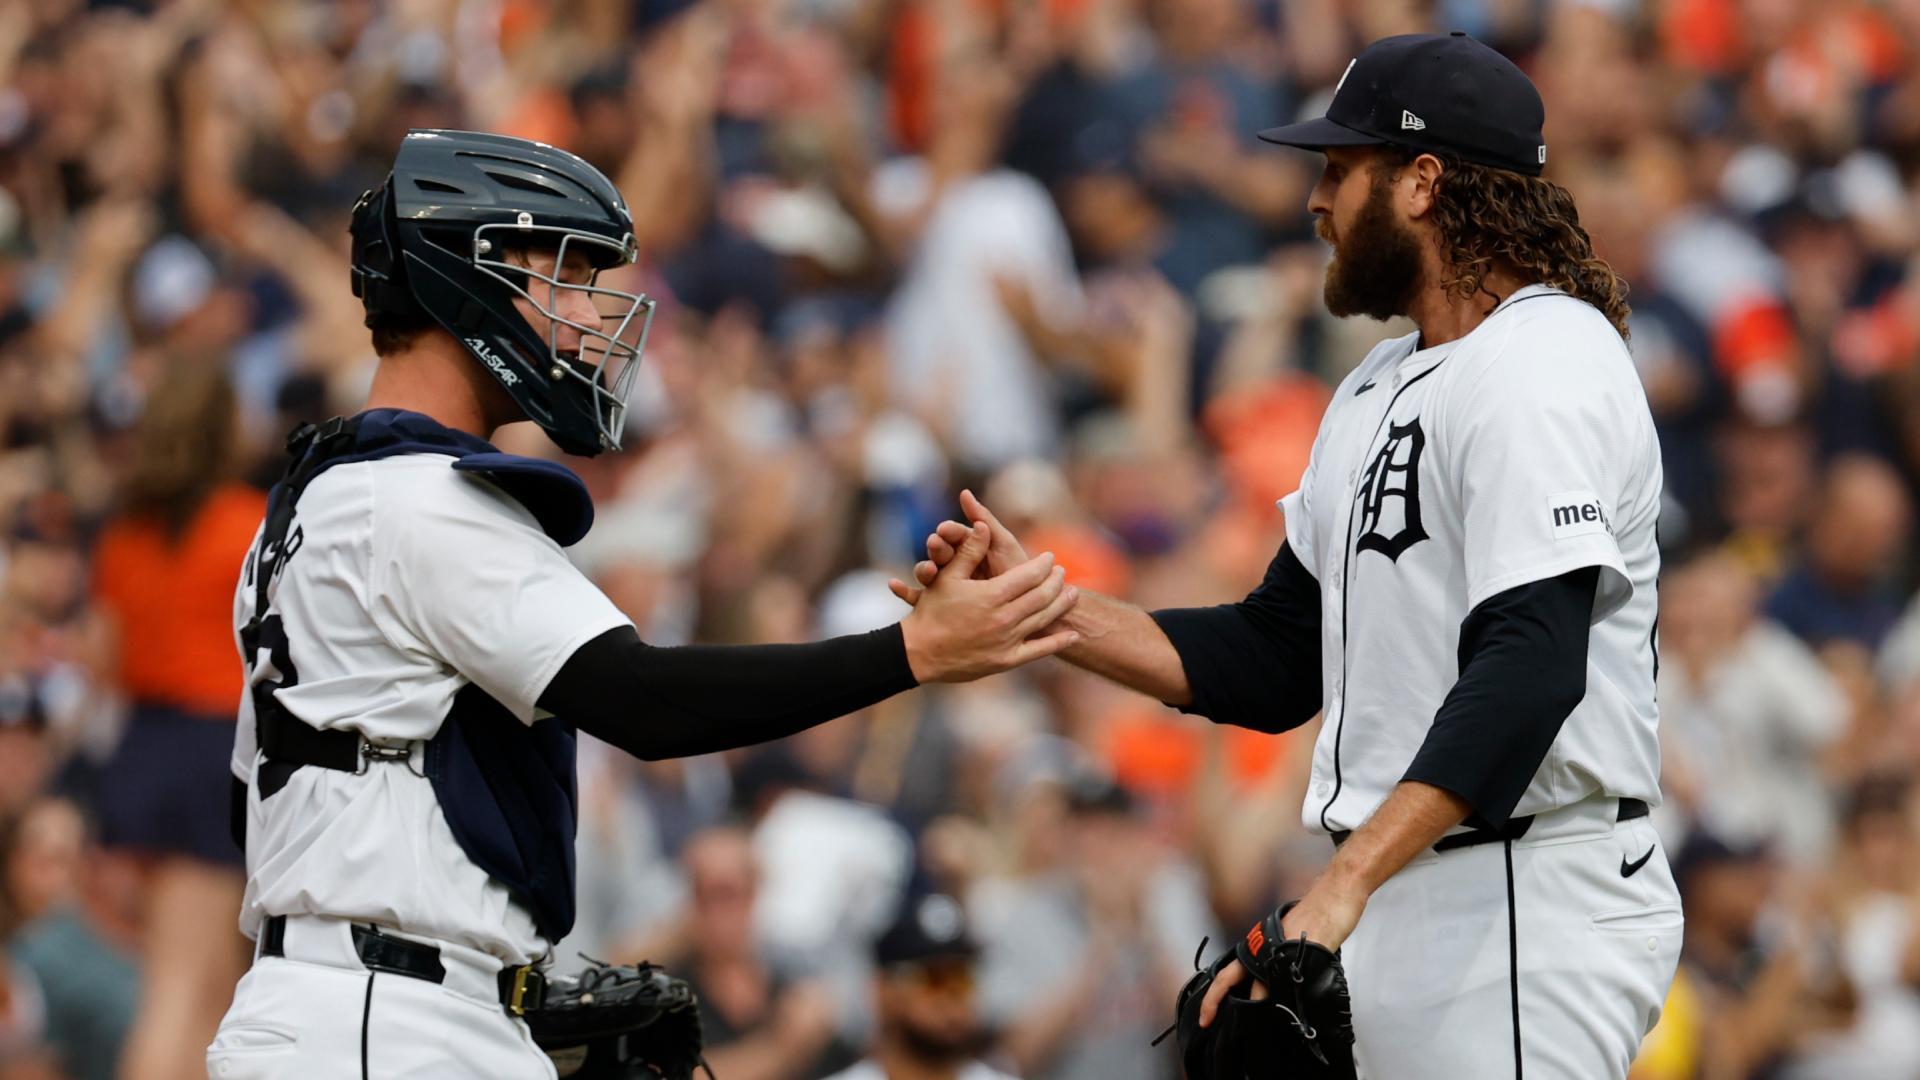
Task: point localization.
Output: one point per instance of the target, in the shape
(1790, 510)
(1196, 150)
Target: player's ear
(1420, 177)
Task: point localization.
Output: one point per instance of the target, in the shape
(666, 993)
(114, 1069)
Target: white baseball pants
(1543, 958)
(319, 1014)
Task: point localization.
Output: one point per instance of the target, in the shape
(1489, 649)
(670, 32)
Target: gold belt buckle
(516, 1004)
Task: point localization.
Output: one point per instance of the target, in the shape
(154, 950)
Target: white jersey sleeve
(465, 574)
(1534, 437)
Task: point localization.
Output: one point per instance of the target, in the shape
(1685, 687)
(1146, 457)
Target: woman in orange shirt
(164, 574)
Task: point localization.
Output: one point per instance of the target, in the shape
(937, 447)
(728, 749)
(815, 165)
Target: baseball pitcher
(1466, 598)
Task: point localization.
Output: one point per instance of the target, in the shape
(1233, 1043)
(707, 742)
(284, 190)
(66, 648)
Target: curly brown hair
(1489, 216)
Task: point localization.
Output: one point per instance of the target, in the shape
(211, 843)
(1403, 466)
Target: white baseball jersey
(1441, 477)
(407, 581)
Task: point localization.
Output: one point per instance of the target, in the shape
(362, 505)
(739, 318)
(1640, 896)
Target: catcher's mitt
(620, 1023)
(1303, 1028)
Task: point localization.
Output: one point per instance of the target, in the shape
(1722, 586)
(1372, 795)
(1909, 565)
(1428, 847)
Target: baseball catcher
(421, 654)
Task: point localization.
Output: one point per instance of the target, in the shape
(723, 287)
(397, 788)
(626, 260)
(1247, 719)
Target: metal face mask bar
(610, 379)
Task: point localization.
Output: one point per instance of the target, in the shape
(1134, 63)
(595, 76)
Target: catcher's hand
(1303, 1028)
(620, 1022)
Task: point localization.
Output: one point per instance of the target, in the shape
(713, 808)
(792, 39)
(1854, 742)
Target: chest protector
(507, 789)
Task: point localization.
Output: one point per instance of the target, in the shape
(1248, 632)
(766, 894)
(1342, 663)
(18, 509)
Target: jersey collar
(1521, 293)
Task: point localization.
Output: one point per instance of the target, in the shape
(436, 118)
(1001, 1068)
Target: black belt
(522, 988)
(1514, 830)
(283, 738)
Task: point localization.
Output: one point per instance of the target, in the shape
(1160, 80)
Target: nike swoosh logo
(1363, 388)
(1628, 869)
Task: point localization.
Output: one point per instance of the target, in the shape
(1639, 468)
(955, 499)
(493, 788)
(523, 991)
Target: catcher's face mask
(594, 335)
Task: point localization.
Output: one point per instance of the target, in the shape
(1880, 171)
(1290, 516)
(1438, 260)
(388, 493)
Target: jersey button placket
(1339, 571)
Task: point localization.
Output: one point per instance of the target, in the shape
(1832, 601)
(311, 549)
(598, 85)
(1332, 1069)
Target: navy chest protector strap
(505, 788)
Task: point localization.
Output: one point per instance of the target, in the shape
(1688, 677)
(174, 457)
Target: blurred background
(905, 246)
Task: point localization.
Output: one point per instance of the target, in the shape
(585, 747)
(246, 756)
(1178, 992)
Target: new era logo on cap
(1410, 122)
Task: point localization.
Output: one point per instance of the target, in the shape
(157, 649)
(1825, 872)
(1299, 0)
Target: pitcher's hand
(963, 628)
(1004, 551)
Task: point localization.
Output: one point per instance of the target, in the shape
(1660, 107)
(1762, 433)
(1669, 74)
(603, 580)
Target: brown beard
(1376, 265)
(933, 1046)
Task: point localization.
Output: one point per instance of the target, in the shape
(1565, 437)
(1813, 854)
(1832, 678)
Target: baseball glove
(620, 1023)
(1302, 1029)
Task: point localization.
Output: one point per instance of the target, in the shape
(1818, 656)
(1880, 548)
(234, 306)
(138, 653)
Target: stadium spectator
(159, 569)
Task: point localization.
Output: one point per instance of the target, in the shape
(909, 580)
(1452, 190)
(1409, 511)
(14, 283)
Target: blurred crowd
(904, 247)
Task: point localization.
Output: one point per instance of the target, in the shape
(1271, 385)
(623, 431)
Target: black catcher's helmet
(432, 240)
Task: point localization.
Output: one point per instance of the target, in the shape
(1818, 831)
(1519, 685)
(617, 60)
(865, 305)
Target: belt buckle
(527, 982)
(372, 752)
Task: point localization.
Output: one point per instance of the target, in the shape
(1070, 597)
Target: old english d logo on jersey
(1390, 494)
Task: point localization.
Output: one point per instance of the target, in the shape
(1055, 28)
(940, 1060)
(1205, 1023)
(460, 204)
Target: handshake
(980, 605)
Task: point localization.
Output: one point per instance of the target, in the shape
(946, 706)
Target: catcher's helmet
(433, 239)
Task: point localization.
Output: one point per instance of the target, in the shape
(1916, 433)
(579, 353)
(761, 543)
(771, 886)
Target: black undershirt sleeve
(697, 699)
(1523, 669)
(1256, 663)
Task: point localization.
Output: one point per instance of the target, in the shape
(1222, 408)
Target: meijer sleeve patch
(1577, 513)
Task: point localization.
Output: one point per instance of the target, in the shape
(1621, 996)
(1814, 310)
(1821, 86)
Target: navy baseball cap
(1443, 93)
(929, 926)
